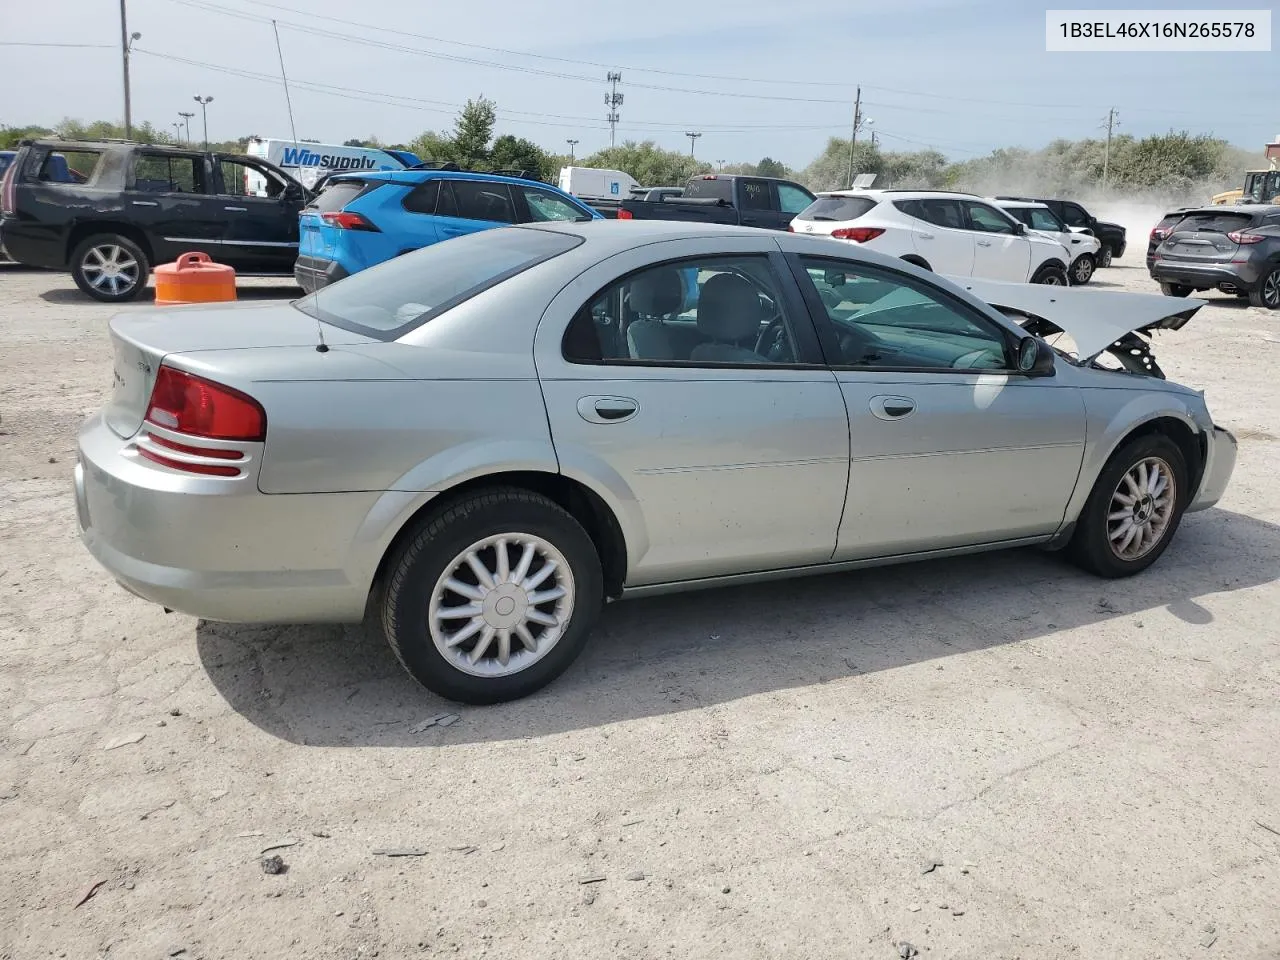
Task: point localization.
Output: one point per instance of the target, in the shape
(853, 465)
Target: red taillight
(207, 469)
(626, 215)
(857, 234)
(201, 408)
(346, 220)
(1242, 236)
(1158, 235)
(790, 228)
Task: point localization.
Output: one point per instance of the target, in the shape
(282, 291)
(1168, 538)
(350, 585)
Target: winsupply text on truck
(303, 157)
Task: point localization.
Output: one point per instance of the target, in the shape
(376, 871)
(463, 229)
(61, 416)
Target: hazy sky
(776, 78)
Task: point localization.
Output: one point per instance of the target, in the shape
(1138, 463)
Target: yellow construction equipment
(1260, 186)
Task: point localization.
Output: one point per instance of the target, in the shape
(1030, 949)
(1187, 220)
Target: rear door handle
(237, 209)
(145, 203)
(607, 409)
(892, 408)
(984, 243)
(926, 236)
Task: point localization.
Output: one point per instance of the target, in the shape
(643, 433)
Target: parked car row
(1235, 250)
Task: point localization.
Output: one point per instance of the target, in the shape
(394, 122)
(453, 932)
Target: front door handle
(607, 409)
(145, 203)
(926, 236)
(892, 408)
(984, 243)
(236, 209)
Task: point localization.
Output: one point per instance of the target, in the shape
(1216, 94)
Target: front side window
(883, 320)
(703, 312)
(162, 173)
(987, 219)
(1074, 215)
(241, 179)
(476, 200)
(1042, 218)
(545, 206)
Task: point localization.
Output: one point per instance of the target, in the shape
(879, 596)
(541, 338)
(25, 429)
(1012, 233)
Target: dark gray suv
(1232, 249)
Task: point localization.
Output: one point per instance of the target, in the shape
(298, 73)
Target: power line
(72, 46)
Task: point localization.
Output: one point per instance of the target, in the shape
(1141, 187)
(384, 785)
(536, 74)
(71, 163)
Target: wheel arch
(916, 260)
(84, 229)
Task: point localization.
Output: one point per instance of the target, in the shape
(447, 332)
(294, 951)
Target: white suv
(1082, 247)
(956, 234)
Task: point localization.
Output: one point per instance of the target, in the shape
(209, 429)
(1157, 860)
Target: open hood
(1094, 319)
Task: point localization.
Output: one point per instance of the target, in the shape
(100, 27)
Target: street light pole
(572, 144)
(177, 126)
(204, 115)
(124, 63)
(186, 116)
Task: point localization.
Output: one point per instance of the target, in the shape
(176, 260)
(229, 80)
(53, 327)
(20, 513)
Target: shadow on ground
(329, 685)
(73, 295)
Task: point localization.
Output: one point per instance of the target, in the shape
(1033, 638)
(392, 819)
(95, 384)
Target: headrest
(657, 293)
(729, 308)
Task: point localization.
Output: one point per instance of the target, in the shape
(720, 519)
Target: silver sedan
(483, 441)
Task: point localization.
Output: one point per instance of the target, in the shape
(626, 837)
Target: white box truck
(591, 183)
(307, 162)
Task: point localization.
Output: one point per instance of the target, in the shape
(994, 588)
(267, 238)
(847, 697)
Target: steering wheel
(773, 343)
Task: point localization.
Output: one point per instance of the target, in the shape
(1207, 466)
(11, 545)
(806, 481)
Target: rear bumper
(1220, 464)
(312, 273)
(38, 247)
(1242, 276)
(216, 547)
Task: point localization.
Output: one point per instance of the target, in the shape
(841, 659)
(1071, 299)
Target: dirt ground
(766, 772)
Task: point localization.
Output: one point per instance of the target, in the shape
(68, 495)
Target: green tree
(768, 167)
(830, 171)
(517, 153)
(430, 145)
(648, 163)
(473, 131)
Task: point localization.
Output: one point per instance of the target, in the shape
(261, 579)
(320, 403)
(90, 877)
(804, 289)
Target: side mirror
(1019, 228)
(293, 191)
(833, 278)
(1035, 357)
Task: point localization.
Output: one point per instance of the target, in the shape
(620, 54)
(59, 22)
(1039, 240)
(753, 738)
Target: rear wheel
(1050, 274)
(1267, 293)
(110, 268)
(1134, 509)
(1082, 269)
(492, 598)
(1175, 290)
(1104, 256)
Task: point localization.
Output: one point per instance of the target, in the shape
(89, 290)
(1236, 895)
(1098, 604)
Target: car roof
(1259, 209)
(1021, 204)
(421, 176)
(897, 194)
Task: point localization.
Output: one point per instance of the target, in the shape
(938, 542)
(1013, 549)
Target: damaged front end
(1109, 330)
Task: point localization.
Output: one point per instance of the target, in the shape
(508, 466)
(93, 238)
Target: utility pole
(875, 139)
(204, 114)
(693, 137)
(186, 116)
(853, 134)
(1112, 120)
(572, 144)
(719, 164)
(126, 41)
(613, 100)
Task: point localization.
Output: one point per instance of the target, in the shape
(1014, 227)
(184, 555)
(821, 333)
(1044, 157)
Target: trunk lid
(1203, 238)
(141, 340)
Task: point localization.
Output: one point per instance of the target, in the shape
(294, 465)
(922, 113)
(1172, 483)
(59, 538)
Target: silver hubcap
(1141, 508)
(1271, 289)
(1084, 269)
(110, 268)
(501, 605)
(1052, 280)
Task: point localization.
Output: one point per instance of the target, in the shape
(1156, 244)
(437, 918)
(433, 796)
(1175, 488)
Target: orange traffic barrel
(194, 278)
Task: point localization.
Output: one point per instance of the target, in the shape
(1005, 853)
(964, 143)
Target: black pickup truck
(719, 198)
(109, 210)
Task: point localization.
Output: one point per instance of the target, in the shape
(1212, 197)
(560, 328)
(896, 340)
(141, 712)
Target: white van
(307, 162)
(591, 183)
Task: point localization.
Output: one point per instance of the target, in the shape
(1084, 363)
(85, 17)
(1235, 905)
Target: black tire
(439, 540)
(1082, 269)
(1090, 546)
(1051, 274)
(129, 283)
(1175, 290)
(1267, 293)
(1104, 256)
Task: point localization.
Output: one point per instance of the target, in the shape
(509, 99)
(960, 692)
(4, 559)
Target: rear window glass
(337, 195)
(161, 173)
(1214, 222)
(69, 166)
(5, 160)
(837, 208)
(700, 188)
(399, 295)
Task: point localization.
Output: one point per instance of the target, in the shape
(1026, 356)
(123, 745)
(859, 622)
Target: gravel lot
(756, 772)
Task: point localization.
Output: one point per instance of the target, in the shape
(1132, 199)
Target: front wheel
(1050, 274)
(1134, 509)
(1175, 290)
(110, 268)
(1104, 256)
(1082, 269)
(1267, 293)
(493, 597)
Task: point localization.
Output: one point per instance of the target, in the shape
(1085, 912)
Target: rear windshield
(389, 300)
(1214, 222)
(70, 166)
(700, 188)
(836, 208)
(337, 195)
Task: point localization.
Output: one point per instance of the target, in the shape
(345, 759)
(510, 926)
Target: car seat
(655, 294)
(729, 314)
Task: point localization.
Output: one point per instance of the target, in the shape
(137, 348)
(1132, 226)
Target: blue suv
(359, 220)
